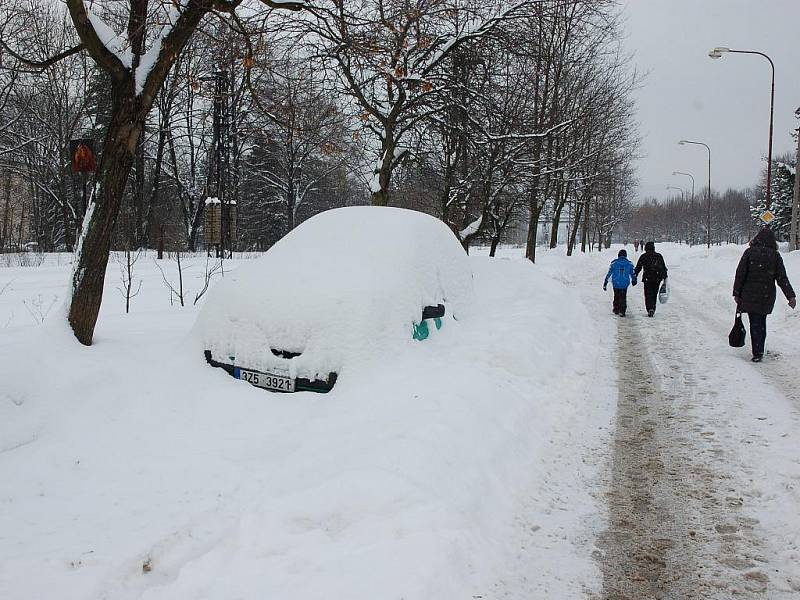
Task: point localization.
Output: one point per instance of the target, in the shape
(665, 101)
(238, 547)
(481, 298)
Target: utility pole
(794, 242)
(220, 168)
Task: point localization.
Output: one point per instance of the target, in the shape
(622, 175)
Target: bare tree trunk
(558, 205)
(92, 254)
(562, 193)
(574, 233)
(180, 276)
(154, 194)
(21, 224)
(585, 228)
(493, 247)
(534, 207)
(6, 214)
(383, 171)
(533, 230)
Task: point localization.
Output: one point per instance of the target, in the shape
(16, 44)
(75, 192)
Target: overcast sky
(723, 102)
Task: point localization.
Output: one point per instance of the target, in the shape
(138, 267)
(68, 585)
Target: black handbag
(738, 333)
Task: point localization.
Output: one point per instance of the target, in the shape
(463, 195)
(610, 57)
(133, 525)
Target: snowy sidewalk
(705, 478)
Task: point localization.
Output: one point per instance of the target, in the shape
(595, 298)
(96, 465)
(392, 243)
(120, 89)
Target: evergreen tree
(782, 191)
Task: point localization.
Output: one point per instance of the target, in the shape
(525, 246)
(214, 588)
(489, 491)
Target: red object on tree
(83, 159)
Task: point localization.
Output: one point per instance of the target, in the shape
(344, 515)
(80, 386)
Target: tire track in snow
(677, 528)
(644, 552)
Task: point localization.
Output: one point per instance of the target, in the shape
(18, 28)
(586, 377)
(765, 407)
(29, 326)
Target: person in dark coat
(621, 274)
(760, 267)
(654, 271)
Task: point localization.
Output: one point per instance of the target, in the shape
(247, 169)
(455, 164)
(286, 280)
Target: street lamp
(689, 175)
(674, 187)
(717, 53)
(708, 197)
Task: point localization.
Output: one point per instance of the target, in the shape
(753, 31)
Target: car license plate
(276, 383)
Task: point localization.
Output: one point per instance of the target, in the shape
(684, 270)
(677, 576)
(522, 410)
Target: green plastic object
(422, 330)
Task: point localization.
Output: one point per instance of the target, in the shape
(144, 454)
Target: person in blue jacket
(621, 273)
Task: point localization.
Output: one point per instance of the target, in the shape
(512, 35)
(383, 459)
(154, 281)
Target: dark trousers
(650, 294)
(620, 301)
(758, 332)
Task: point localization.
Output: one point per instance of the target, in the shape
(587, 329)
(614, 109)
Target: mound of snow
(347, 283)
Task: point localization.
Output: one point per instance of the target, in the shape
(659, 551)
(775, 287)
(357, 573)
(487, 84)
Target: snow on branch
(527, 136)
(470, 229)
(469, 33)
(111, 40)
(149, 58)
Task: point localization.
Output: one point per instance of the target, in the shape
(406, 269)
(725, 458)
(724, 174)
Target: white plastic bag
(663, 293)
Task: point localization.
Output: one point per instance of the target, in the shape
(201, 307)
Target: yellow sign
(767, 217)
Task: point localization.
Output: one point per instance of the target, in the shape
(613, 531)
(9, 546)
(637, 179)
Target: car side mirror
(433, 312)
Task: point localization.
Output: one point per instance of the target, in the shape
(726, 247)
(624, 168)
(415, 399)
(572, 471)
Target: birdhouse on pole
(82, 157)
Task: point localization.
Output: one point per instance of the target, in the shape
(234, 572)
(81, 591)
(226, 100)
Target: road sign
(767, 217)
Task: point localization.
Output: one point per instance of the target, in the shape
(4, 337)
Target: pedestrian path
(702, 478)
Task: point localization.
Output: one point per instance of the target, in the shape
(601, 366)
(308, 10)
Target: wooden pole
(794, 242)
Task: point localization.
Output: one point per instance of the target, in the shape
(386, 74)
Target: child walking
(621, 273)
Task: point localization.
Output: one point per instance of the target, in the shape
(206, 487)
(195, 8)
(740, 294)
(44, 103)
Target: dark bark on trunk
(195, 225)
(291, 201)
(154, 196)
(574, 233)
(493, 248)
(533, 232)
(139, 226)
(6, 214)
(559, 206)
(534, 208)
(21, 223)
(384, 170)
(585, 230)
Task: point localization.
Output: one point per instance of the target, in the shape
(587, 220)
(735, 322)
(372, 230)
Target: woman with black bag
(760, 267)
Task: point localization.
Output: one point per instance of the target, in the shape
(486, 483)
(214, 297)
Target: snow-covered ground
(475, 464)
(463, 467)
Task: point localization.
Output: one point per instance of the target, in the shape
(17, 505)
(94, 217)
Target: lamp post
(717, 53)
(674, 187)
(690, 176)
(708, 196)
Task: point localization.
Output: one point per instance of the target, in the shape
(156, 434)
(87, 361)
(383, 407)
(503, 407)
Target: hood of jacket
(766, 238)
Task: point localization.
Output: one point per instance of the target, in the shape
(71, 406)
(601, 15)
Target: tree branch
(40, 65)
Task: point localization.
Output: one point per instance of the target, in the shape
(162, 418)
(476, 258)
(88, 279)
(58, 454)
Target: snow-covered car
(339, 289)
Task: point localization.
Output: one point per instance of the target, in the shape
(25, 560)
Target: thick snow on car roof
(347, 282)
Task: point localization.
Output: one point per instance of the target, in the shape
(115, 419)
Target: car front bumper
(300, 384)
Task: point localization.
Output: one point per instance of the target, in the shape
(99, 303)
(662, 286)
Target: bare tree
(137, 75)
(387, 54)
(127, 261)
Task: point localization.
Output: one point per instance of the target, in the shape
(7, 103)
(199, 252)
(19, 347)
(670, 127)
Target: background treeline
(510, 122)
(734, 213)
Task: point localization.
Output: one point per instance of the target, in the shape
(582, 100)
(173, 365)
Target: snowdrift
(450, 468)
